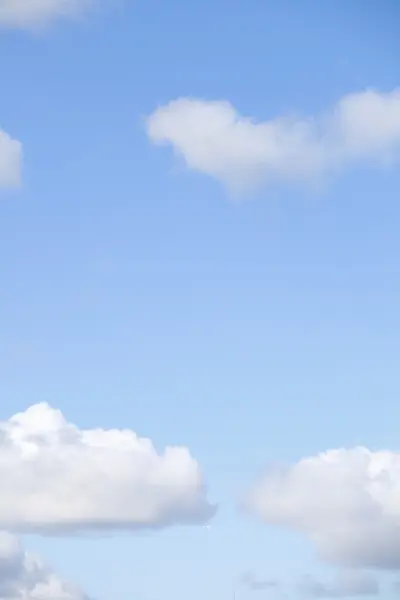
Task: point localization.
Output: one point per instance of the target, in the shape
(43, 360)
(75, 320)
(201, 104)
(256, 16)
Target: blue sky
(140, 294)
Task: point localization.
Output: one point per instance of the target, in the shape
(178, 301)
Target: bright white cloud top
(347, 502)
(25, 577)
(39, 13)
(61, 479)
(214, 139)
(10, 161)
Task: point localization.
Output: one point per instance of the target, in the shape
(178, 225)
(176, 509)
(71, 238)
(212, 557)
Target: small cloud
(255, 584)
(28, 14)
(10, 160)
(242, 153)
(25, 577)
(346, 584)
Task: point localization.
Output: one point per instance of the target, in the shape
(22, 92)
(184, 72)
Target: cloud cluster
(214, 139)
(62, 479)
(347, 584)
(25, 577)
(38, 13)
(10, 160)
(346, 501)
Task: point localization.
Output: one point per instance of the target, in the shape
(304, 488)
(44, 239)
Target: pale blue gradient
(135, 294)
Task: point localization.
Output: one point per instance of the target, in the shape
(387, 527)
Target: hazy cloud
(346, 584)
(39, 13)
(256, 584)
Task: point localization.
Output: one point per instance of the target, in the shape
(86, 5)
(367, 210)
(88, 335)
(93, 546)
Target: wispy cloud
(346, 584)
(28, 14)
(255, 584)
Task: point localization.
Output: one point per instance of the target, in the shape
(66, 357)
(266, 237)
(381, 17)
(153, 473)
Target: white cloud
(38, 13)
(62, 479)
(346, 584)
(213, 138)
(347, 502)
(10, 160)
(24, 576)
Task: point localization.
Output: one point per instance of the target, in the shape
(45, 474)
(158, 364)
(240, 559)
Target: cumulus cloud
(346, 584)
(10, 160)
(63, 479)
(24, 576)
(213, 138)
(38, 13)
(346, 501)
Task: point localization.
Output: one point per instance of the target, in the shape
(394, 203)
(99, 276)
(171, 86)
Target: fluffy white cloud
(346, 584)
(10, 160)
(38, 13)
(347, 502)
(25, 577)
(240, 152)
(57, 478)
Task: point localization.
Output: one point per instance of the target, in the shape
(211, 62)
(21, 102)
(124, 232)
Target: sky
(199, 349)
